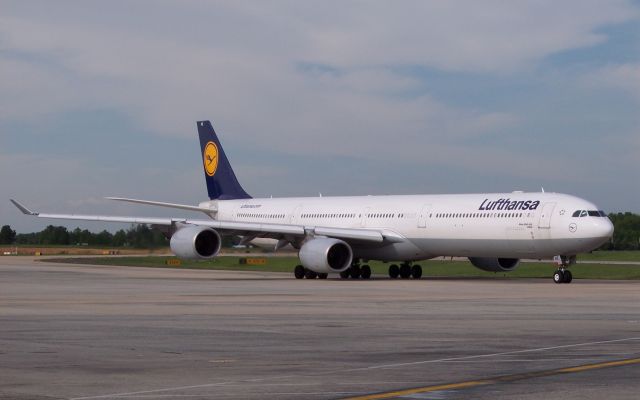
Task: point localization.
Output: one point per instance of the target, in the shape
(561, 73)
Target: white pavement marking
(141, 393)
(566, 346)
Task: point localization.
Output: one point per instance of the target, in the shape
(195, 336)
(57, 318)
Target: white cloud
(167, 85)
(458, 35)
(245, 58)
(625, 77)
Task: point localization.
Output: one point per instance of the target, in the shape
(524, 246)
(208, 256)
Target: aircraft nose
(605, 228)
(608, 228)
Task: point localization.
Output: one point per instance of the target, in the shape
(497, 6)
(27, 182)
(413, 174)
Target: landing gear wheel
(355, 272)
(299, 272)
(416, 272)
(310, 274)
(558, 276)
(365, 272)
(346, 273)
(323, 276)
(568, 277)
(394, 271)
(405, 271)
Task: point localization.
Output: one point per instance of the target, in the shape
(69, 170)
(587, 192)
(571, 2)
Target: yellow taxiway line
(499, 379)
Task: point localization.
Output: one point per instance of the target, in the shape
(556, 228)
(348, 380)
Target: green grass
(611, 256)
(431, 268)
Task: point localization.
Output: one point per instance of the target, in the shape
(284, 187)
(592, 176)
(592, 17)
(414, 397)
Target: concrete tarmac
(89, 332)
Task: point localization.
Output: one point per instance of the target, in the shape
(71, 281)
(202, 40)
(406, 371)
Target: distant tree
(626, 234)
(74, 236)
(103, 238)
(55, 235)
(7, 235)
(28, 238)
(142, 236)
(119, 239)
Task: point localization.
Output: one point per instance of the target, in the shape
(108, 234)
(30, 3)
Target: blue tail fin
(222, 183)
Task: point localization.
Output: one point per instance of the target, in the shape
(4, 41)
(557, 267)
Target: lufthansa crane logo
(210, 157)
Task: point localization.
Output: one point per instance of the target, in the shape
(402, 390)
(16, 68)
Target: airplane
(341, 234)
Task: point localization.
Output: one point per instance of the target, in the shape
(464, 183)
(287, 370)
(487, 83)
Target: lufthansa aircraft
(339, 234)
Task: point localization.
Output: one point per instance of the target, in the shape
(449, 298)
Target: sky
(334, 97)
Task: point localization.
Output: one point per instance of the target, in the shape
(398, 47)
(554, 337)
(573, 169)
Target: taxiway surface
(88, 332)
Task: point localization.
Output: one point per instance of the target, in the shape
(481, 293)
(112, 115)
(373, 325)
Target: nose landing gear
(562, 274)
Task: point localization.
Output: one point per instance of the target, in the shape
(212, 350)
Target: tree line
(139, 236)
(625, 237)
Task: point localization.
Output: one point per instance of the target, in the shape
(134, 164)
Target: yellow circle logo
(210, 157)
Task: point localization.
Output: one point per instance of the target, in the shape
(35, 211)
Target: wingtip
(22, 208)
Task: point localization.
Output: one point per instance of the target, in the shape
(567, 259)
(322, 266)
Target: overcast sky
(342, 98)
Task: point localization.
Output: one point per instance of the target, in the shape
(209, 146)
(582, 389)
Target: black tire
(558, 276)
(365, 272)
(346, 273)
(323, 276)
(394, 271)
(309, 274)
(299, 272)
(416, 272)
(355, 272)
(568, 276)
(405, 271)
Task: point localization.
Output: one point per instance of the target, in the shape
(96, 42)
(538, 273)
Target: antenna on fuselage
(542, 189)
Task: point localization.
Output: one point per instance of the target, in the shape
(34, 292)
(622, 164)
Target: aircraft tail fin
(222, 183)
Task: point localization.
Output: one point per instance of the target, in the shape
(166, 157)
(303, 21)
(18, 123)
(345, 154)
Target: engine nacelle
(196, 242)
(324, 255)
(495, 264)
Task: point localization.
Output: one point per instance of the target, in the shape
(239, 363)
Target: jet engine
(195, 242)
(494, 264)
(323, 255)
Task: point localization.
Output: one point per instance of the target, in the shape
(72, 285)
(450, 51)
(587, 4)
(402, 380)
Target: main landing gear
(356, 271)
(301, 272)
(405, 271)
(562, 274)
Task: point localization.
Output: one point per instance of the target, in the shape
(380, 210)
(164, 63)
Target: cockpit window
(589, 213)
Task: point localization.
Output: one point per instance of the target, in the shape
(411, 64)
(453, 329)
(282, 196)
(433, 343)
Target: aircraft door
(544, 222)
(424, 214)
(363, 217)
(294, 216)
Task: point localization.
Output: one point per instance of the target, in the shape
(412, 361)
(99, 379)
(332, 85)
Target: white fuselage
(510, 225)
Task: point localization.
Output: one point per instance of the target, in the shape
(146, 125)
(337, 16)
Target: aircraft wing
(163, 204)
(275, 231)
(104, 218)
